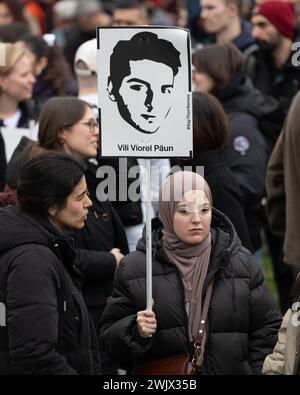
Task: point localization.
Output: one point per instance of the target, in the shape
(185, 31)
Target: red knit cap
(281, 14)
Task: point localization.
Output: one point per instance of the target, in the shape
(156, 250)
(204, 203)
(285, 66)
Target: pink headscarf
(191, 260)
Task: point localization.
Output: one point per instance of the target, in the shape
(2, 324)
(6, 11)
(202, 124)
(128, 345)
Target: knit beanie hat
(281, 14)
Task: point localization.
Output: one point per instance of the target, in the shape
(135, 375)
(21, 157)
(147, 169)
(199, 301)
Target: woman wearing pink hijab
(204, 281)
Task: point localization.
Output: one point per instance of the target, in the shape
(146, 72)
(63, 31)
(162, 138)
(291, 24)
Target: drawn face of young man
(145, 95)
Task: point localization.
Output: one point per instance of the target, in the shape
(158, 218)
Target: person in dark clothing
(282, 186)
(197, 260)
(197, 33)
(271, 66)
(67, 124)
(275, 72)
(130, 172)
(89, 16)
(45, 326)
(221, 20)
(246, 153)
(210, 134)
(103, 236)
(130, 212)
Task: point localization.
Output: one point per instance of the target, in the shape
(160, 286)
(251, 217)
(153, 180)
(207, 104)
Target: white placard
(145, 102)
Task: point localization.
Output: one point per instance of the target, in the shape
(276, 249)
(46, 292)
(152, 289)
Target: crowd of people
(73, 266)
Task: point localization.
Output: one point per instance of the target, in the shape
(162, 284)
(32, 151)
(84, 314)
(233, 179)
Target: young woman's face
(18, 84)
(192, 217)
(202, 82)
(81, 140)
(75, 212)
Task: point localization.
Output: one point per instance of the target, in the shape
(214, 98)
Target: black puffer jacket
(246, 154)
(243, 318)
(46, 328)
(103, 231)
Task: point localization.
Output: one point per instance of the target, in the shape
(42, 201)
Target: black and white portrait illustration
(144, 92)
(141, 81)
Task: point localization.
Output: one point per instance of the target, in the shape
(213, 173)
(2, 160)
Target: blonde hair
(13, 54)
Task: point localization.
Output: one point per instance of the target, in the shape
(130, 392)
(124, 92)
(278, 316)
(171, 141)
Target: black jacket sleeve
(120, 240)
(119, 335)
(265, 319)
(32, 316)
(95, 264)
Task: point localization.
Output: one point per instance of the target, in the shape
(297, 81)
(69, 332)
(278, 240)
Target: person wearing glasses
(45, 328)
(68, 124)
(204, 282)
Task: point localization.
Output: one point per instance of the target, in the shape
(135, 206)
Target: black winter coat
(225, 190)
(243, 318)
(47, 328)
(281, 84)
(246, 154)
(103, 231)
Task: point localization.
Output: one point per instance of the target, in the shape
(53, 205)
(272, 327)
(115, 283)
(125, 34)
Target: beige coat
(283, 186)
(285, 357)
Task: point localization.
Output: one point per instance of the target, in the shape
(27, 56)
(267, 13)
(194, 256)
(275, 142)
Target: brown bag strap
(200, 341)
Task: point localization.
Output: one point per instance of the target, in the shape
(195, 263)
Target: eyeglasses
(91, 124)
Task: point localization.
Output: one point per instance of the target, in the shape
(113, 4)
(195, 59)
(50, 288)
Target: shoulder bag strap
(200, 341)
